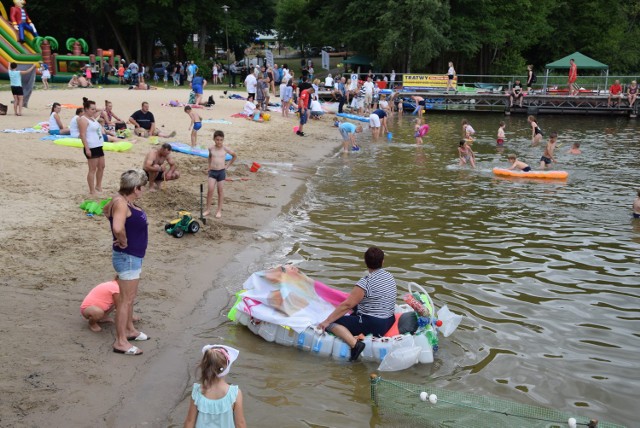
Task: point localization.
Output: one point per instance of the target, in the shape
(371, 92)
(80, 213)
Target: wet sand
(55, 371)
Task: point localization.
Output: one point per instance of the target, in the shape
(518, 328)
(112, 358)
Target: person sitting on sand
(518, 165)
(111, 121)
(74, 83)
(100, 302)
(155, 171)
(575, 149)
(145, 123)
(249, 107)
(55, 123)
(83, 82)
(141, 86)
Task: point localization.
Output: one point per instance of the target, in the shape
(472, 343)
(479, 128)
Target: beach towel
(26, 131)
(288, 298)
(221, 121)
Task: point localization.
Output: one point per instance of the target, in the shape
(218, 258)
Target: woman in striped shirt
(372, 299)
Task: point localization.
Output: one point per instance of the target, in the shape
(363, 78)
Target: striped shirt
(380, 292)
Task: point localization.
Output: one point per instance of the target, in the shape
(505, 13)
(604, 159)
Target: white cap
(230, 353)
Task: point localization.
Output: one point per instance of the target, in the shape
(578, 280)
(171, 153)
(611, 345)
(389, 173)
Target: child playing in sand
(518, 165)
(466, 154)
(500, 139)
(536, 132)
(249, 107)
(100, 302)
(215, 403)
(194, 125)
(218, 170)
(467, 131)
(420, 130)
(547, 156)
(575, 149)
(636, 206)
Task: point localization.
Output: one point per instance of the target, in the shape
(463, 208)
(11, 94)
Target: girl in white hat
(215, 403)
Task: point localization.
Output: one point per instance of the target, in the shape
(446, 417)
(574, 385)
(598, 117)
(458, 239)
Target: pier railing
(504, 82)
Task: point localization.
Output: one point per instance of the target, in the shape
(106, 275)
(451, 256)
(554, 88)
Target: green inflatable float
(120, 146)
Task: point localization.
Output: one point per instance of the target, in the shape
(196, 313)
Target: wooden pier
(535, 103)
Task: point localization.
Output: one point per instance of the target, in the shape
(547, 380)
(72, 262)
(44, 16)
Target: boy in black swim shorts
(217, 170)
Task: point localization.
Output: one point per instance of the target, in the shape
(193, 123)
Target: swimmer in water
(466, 154)
(518, 165)
(636, 206)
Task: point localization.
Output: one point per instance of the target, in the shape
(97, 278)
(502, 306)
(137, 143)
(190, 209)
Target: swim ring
(423, 130)
(557, 175)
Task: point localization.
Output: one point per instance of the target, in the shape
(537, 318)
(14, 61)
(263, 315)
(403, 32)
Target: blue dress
(214, 413)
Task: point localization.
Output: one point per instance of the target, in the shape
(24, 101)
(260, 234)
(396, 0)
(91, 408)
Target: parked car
(159, 67)
(312, 51)
(329, 49)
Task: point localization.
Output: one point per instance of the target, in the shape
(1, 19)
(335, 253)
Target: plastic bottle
(268, 331)
(254, 325)
(381, 347)
(322, 344)
(367, 354)
(426, 350)
(341, 351)
(433, 339)
(402, 341)
(305, 339)
(243, 318)
(286, 336)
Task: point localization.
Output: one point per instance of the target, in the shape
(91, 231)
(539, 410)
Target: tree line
(479, 36)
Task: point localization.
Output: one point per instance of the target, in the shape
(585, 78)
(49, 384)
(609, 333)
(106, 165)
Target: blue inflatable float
(353, 117)
(188, 150)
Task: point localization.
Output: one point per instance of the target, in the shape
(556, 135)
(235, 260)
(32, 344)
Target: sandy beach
(55, 371)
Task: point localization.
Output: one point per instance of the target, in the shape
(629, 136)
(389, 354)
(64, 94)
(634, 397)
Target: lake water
(546, 273)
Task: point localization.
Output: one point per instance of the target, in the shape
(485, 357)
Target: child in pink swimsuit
(99, 303)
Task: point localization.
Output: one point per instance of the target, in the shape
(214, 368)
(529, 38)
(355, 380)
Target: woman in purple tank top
(129, 227)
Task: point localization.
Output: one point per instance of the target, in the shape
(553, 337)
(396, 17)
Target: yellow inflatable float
(553, 175)
(120, 146)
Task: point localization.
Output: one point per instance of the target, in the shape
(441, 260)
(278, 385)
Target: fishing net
(401, 403)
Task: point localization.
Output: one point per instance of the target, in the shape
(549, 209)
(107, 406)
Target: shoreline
(56, 255)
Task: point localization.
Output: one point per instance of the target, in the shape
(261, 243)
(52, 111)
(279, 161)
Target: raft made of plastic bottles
(321, 343)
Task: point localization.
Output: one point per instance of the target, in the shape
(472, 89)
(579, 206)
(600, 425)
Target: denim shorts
(127, 267)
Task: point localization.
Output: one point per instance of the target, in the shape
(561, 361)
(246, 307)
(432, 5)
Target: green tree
(419, 39)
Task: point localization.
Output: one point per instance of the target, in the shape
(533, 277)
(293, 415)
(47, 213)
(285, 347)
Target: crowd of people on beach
(213, 401)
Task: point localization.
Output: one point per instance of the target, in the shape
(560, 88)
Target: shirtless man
(636, 206)
(153, 166)
(217, 170)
